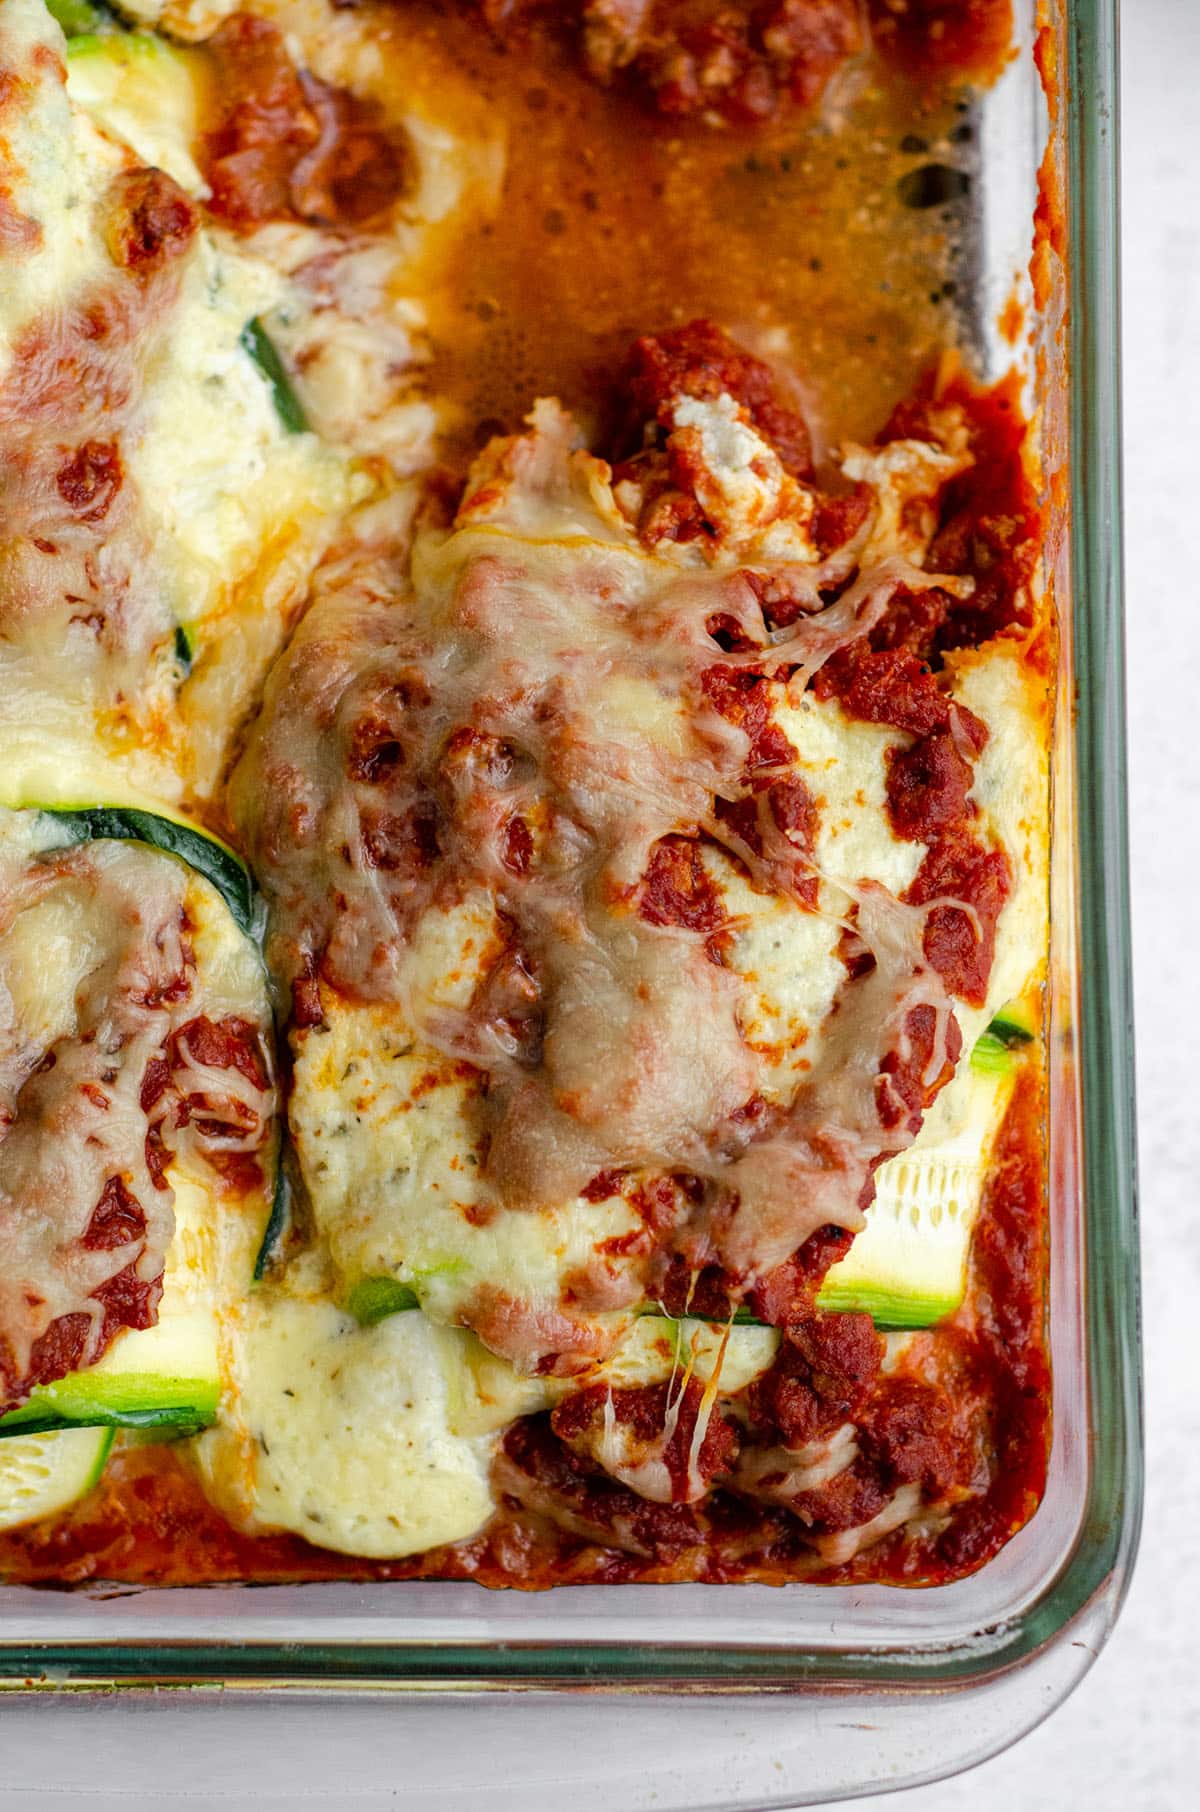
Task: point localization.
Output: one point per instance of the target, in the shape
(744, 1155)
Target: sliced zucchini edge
(80, 18)
(84, 1471)
(260, 347)
(277, 1220)
(200, 850)
(89, 1399)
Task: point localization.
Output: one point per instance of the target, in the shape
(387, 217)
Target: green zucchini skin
(741, 1317)
(887, 1310)
(261, 348)
(215, 861)
(373, 1299)
(175, 1423)
(996, 1049)
(891, 1304)
(69, 1470)
(79, 18)
(115, 1400)
(1009, 1030)
(281, 1207)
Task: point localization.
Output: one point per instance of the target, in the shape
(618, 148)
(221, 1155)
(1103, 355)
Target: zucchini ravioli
(137, 1152)
(648, 853)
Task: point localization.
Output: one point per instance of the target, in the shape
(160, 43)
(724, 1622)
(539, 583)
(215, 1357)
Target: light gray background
(1129, 1740)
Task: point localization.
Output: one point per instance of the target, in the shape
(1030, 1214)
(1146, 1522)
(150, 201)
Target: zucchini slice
(167, 1376)
(148, 92)
(42, 1473)
(995, 1050)
(199, 849)
(277, 1221)
(79, 17)
(373, 1299)
(908, 1267)
(161, 1377)
(106, 1400)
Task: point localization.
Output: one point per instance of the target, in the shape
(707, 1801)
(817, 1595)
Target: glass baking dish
(754, 1696)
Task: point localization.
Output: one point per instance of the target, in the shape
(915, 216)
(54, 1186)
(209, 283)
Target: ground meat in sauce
(699, 360)
(827, 1374)
(151, 221)
(990, 524)
(826, 1368)
(289, 146)
(664, 1426)
(740, 62)
(935, 38)
(570, 1467)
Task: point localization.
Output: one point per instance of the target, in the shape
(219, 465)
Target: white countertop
(1129, 1740)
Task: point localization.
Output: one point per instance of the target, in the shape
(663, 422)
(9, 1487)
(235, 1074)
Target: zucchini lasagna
(525, 694)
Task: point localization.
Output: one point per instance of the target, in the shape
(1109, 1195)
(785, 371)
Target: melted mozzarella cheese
(657, 1348)
(392, 1136)
(787, 954)
(54, 168)
(231, 511)
(343, 1434)
(389, 1132)
(380, 1441)
(843, 762)
(240, 510)
(221, 478)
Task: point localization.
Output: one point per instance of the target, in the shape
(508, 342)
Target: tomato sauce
(807, 235)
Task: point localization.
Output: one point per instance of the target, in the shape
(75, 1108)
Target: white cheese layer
(230, 511)
(388, 1138)
(225, 488)
(342, 1434)
(380, 1441)
(54, 169)
(1012, 792)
